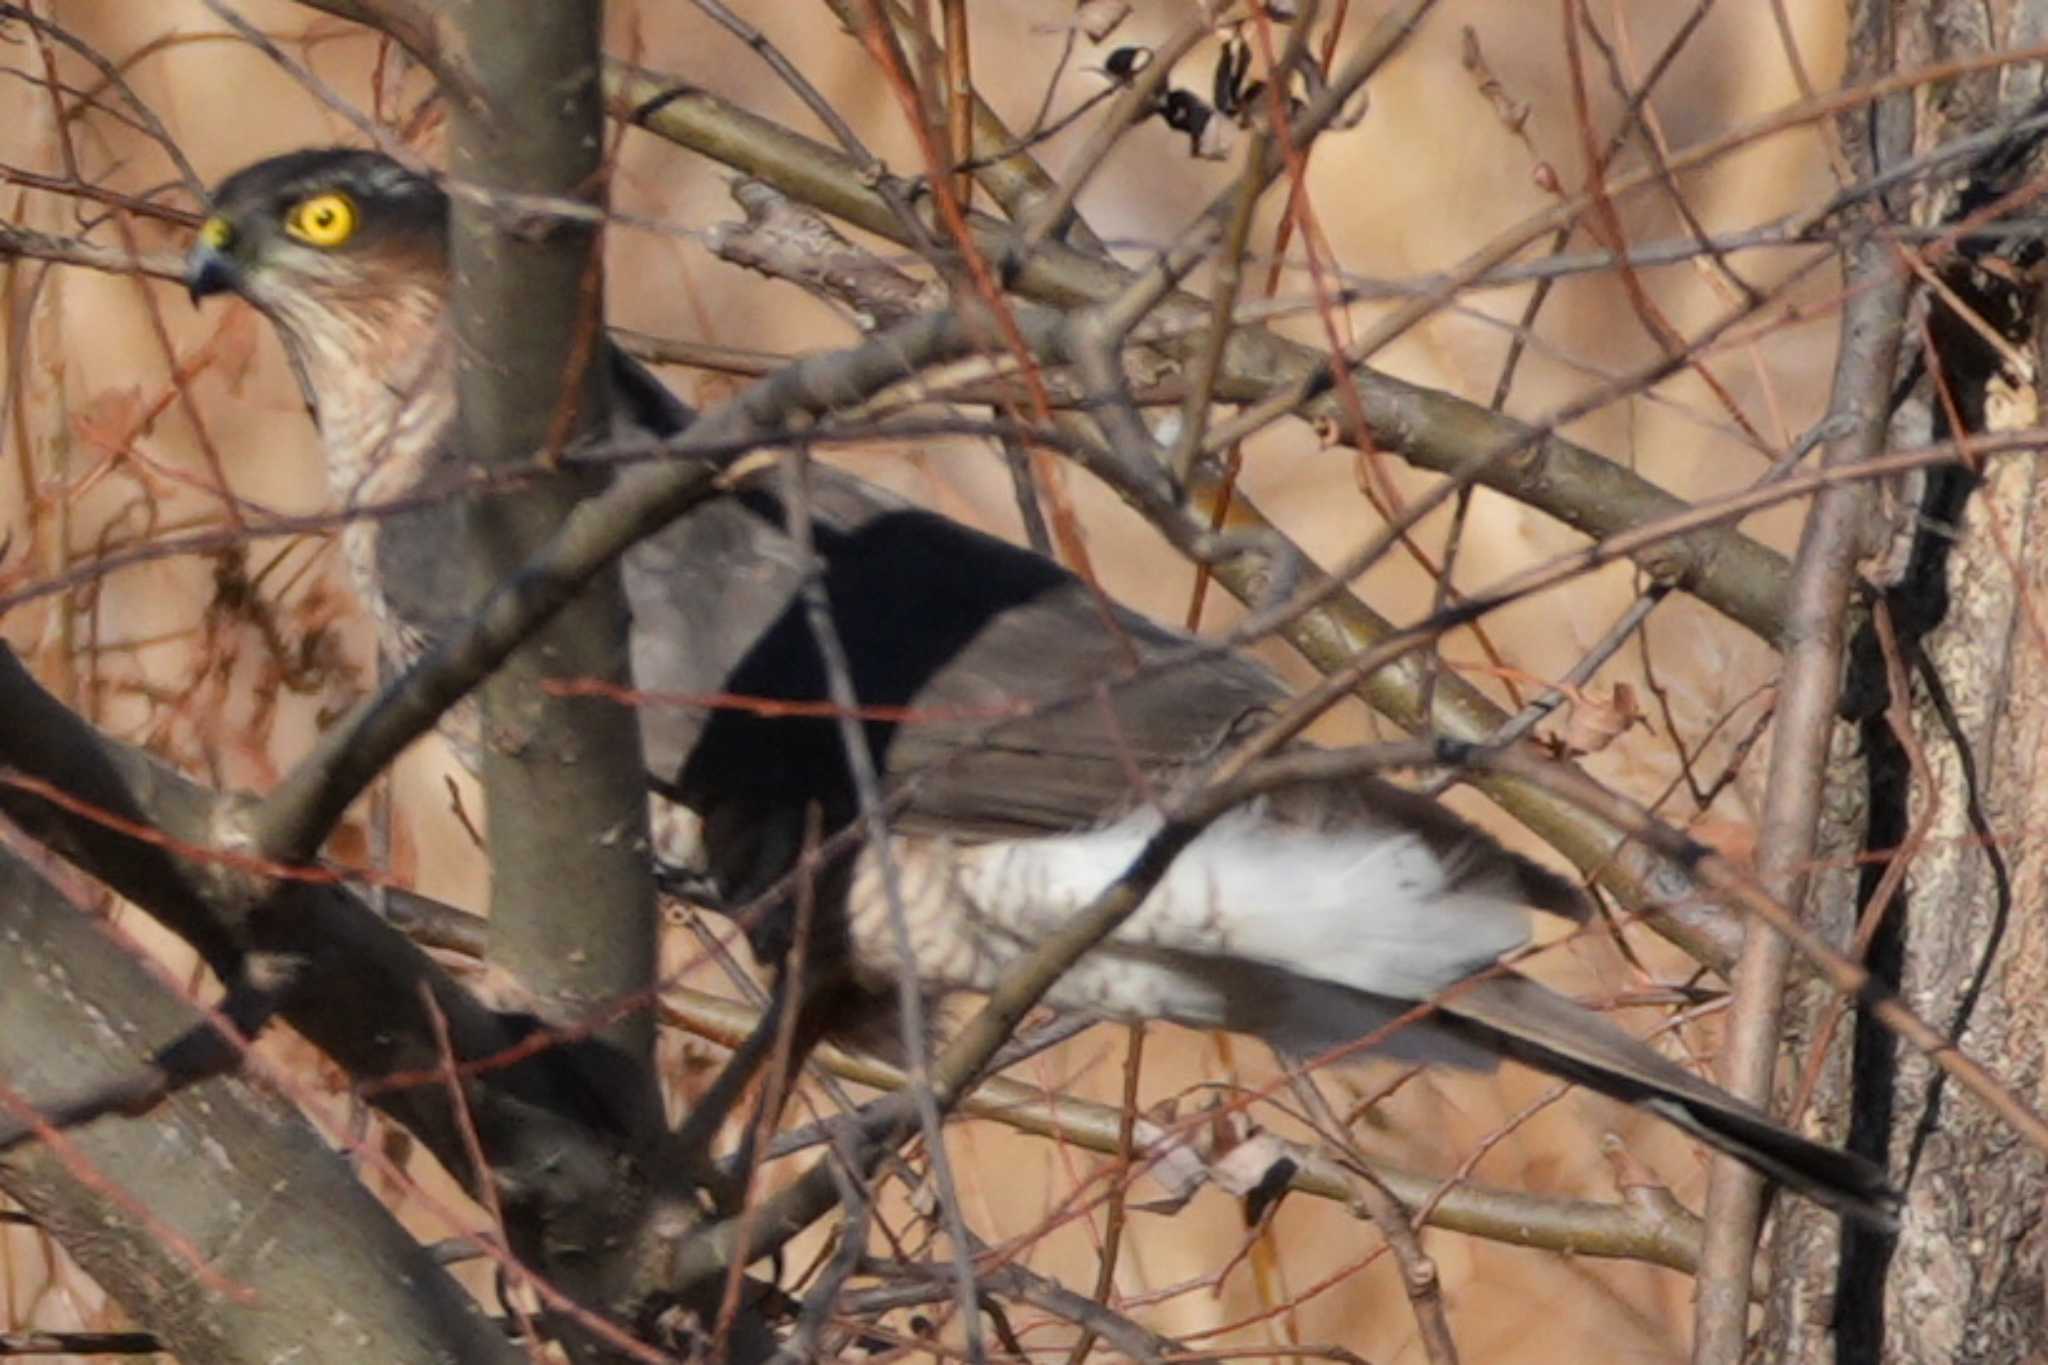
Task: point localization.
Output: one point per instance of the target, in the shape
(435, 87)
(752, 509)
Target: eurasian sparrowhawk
(1309, 919)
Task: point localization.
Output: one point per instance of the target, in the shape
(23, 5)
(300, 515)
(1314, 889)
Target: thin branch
(1418, 1272)
(1434, 430)
(1583, 1227)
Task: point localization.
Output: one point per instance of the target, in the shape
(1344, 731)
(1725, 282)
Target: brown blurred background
(230, 663)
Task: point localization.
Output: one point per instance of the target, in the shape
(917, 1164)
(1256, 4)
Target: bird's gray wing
(985, 671)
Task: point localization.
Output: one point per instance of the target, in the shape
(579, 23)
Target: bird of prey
(1310, 919)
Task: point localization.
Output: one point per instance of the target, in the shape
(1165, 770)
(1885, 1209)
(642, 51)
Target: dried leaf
(1227, 1151)
(1248, 1166)
(1593, 723)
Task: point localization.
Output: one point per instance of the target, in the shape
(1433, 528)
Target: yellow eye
(323, 220)
(218, 234)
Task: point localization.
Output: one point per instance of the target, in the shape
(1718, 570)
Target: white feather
(1371, 909)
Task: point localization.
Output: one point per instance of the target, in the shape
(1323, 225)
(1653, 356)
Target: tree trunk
(1955, 781)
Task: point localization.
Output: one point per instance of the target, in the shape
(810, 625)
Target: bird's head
(338, 247)
(346, 252)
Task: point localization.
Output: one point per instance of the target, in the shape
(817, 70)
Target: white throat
(381, 385)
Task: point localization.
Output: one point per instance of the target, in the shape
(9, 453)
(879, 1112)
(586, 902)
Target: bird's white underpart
(1308, 938)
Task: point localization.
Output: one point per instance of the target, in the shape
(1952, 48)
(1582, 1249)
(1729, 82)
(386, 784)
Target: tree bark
(565, 787)
(223, 1186)
(1954, 793)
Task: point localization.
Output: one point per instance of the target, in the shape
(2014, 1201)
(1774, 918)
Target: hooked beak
(209, 269)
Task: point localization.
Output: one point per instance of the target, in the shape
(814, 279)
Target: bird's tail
(1519, 1018)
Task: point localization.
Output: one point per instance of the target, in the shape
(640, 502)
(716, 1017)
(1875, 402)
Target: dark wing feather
(1032, 707)
(965, 630)
(970, 635)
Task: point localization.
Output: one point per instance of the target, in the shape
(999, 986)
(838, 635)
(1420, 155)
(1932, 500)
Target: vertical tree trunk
(1957, 792)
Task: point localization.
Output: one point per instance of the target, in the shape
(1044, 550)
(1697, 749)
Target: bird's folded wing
(985, 671)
